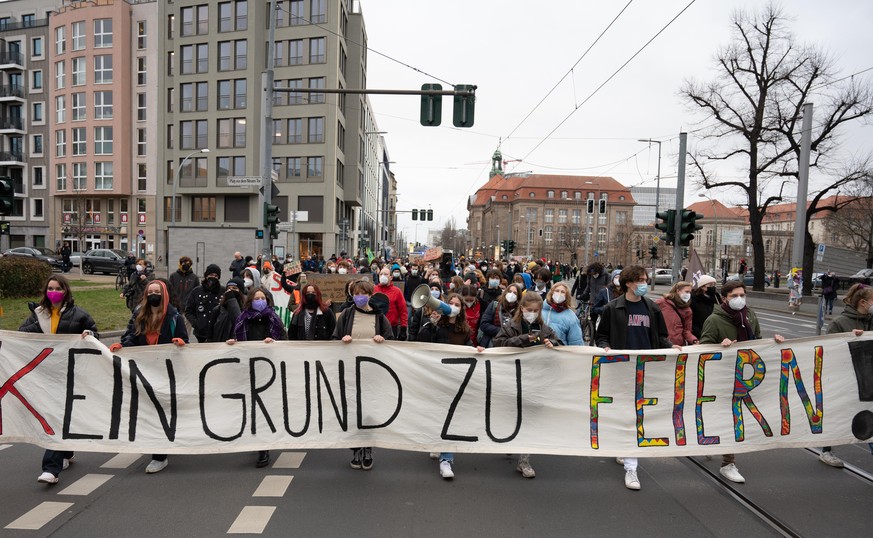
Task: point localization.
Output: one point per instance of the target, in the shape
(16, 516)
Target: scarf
(558, 307)
(741, 321)
(269, 313)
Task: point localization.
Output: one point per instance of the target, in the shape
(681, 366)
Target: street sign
(244, 181)
(732, 236)
(285, 227)
(819, 255)
(656, 239)
(299, 216)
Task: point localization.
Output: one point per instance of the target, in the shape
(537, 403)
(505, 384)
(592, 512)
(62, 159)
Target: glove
(402, 333)
(178, 341)
(114, 347)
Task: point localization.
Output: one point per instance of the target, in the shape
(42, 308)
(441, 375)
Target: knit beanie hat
(212, 269)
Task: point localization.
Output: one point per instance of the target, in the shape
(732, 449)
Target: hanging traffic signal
(688, 226)
(511, 248)
(431, 107)
(667, 225)
(429, 214)
(590, 206)
(7, 195)
(271, 219)
(601, 208)
(464, 106)
(415, 214)
(653, 252)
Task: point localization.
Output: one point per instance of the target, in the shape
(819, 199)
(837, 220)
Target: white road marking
(289, 460)
(121, 461)
(4, 447)
(252, 520)
(39, 516)
(86, 484)
(273, 486)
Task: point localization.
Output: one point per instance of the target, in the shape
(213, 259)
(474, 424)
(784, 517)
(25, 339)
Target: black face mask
(186, 267)
(311, 300)
(210, 283)
(154, 300)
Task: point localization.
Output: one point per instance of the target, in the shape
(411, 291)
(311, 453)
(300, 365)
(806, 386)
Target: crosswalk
(785, 324)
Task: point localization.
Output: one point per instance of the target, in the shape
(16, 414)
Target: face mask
(484, 268)
(383, 279)
(210, 283)
(616, 283)
(711, 292)
(685, 297)
(186, 267)
(455, 311)
(641, 290)
(396, 274)
(342, 270)
(55, 296)
(154, 300)
(540, 284)
(595, 275)
(737, 303)
(311, 299)
(232, 293)
(374, 268)
(415, 272)
(530, 317)
(559, 298)
(511, 298)
(470, 303)
(259, 304)
(451, 285)
(332, 269)
(435, 294)
(493, 282)
(139, 268)
(870, 309)
(248, 282)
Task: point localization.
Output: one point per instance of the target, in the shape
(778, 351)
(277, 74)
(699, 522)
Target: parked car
(662, 276)
(863, 273)
(76, 258)
(40, 253)
(749, 278)
(103, 260)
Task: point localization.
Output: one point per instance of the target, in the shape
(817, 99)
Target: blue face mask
(641, 290)
(435, 294)
(361, 300)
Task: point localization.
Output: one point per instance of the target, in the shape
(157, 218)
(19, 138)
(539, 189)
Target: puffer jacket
(73, 320)
(678, 322)
(847, 321)
(720, 325)
(492, 320)
(564, 323)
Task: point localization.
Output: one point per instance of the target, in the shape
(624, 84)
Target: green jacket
(719, 325)
(850, 319)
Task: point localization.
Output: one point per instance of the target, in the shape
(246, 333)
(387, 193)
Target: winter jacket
(74, 320)
(579, 286)
(181, 285)
(473, 316)
(488, 296)
(253, 326)
(440, 335)
(701, 308)
(397, 315)
(321, 327)
(595, 285)
(847, 321)
(135, 288)
(198, 310)
(602, 299)
(172, 327)
(512, 335)
(222, 321)
(236, 267)
(412, 282)
(564, 323)
(347, 318)
(720, 325)
(678, 322)
(490, 323)
(612, 329)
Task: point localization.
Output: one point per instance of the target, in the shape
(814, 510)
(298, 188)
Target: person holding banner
(448, 329)
(313, 319)
(223, 317)
(498, 314)
(857, 317)
(558, 313)
(56, 313)
(202, 301)
(731, 322)
(526, 329)
(632, 321)
(360, 322)
(154, 321)
(675, 305)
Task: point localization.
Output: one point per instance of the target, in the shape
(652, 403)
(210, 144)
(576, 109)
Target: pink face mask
(55, 296)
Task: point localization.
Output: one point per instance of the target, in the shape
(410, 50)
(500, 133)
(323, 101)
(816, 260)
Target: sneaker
(367, 459)
(525, 469)
(446, 470)
(830, 458)
(67, 462)
(619, 461)
(156, 466)
(631, 481)
(356, 459)
(263, 459)
(434, 455)
(731, 472)
(47, 478)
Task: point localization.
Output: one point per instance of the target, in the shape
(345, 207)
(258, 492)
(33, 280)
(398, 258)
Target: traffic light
(464, 106)
(415, 214)
(7, 195)
(601, 208)
(688, 226)
(511, 247)
(590, 206)
(429, 214)
(685, 253)
(431, 107)
(667, 225)
(271, 219)
(653, 252)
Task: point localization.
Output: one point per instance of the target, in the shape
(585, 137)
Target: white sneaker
(731, 472)
(434, 455)
(631, 481)
(525, 469)
(66, 464)
(446, 470)
(619, 461)
(47, 478)
(831, 459)
(156, 466)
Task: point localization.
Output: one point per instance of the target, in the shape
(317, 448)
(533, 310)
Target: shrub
(22, 277)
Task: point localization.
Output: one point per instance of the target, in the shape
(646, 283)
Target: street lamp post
(366, 175)
(173, 200)
(657, 195)
(715, 246)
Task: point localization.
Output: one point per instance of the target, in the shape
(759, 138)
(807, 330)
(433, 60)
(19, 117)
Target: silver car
(662, 276)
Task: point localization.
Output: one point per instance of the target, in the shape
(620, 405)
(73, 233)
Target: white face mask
(455, 311)
(530, 317)
(383, 279)
(511, 298)
(435, 294)
(333, 269)
(451, 285)
(685, 297)
(469, 303)
(559, 298)
(139, 268)
(737, 303)
(616, 282)
(248, 282)
(870, 309)
(414, 272)
(342, 270)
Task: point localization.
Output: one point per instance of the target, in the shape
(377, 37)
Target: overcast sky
(515, 51)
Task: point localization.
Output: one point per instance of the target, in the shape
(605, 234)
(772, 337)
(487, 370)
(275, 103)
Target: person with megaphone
(421, 312)
(447, 324)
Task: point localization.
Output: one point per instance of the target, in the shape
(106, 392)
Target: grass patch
(104, 305)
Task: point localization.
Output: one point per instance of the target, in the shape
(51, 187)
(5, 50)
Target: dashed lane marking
(273, 486)
(39, 516)
(4, 447)
(252, 520)
(289, 460)
(121, 461)
(86, 484)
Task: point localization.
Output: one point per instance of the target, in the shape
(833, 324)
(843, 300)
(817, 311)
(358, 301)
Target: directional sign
(244, 181)
(819, 256)
(285, 227)
(299, 216)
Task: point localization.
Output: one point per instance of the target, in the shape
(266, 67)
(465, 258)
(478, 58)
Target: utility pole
(802, 187)
(265, 193)
(680, 204)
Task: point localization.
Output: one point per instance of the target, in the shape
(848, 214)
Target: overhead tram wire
(569, 71)
(605, 82)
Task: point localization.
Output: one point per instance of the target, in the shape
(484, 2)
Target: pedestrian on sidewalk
(795, 291)
(829, 286)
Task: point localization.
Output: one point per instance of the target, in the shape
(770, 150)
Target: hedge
(22, 277)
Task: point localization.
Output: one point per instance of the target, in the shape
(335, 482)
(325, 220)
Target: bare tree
(452, 238)
(853, 224)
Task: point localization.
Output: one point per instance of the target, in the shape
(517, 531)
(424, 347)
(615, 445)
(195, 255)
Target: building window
(38, 173)
(38, 208)
(563, 195)
(295, 10)
(103, 105)
(80, 176)
(103, 69)
(140, 70)
(141, 143)
(79, 141)
(195, 58)
(60, 40)
(37, 144)
(141, 107)
(36, 79)
(103, 176)
(141, 176)
(319, 84)
(141, 35)
(171, 63)
(232, 133)
(78, 71)
(186, 135)
(102, 33)
(317, 11)
(314, 166)
(577, 216)
(171, 99)
(78, 106)
(203, 209)
(171, 142)
(547, 234)
(61, 177)
(236, 208)
(562, 216)
(550, 194)
(36, 113)
(78, 35)
(295, 131)
(60, 75)
(202, 134)
(340, 172)
(295, 98)
(60, 143)
(549, 215)
(195, 20)
(531, 194)
(295, 52)
(316, 50)
(315, 134)
(233, 16)
(292, 167)
(102, 140)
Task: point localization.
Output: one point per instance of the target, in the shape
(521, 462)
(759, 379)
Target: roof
(520, 186)
(716, 209)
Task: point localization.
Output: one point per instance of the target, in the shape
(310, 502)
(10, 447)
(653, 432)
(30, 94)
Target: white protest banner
(281, 298)
(72, 393)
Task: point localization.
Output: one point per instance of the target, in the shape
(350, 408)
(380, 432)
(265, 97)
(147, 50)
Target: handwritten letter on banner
(60, 391)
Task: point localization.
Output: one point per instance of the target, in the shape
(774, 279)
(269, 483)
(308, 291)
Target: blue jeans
(447, 456)
(53, 461)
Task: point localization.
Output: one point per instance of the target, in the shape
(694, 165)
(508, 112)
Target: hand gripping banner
(73, 393)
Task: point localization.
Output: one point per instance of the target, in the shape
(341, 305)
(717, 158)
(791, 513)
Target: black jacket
(173, 327)
(222, 320)
(198, 310)
(490, 323)
(73, 320)
(438, 335)
(701, 308)
(237, 267)
(513, 335)
(181, 286)
(321, 328)
(612, 329)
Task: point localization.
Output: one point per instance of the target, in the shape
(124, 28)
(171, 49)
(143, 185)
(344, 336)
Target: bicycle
(583, 313)
(121, 279)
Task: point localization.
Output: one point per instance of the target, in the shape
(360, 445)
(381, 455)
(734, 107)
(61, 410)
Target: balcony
(12, 92)
(11, 125)
(21, 25)
(11, 60)
(11, 158)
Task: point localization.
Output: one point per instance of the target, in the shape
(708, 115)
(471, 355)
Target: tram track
(852, 470)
